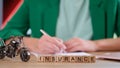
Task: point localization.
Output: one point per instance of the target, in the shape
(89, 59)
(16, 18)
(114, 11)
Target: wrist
(99, 45)
(30, 42)
(94, 46)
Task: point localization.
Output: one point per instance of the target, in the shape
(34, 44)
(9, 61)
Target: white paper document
(74, 54)
(64, 54)
(110, 56)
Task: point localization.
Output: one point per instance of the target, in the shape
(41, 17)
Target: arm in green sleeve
(19, 23)
(119, 16)
(118, 19)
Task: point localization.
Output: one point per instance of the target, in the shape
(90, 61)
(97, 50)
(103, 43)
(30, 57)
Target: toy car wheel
(24, 54)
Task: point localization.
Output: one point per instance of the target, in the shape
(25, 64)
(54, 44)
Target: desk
(17, 63)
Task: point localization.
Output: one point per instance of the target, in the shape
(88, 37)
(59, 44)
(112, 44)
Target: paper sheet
(110, 55)
(64, 54)
(74, 54)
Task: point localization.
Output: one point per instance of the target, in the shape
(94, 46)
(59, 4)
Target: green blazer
(43, 14)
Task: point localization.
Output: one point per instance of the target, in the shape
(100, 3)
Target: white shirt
(74, 20)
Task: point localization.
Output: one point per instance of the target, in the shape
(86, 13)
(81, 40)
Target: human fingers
(60, 40)
(60, 43)
(83, 46)
(52, 47)
(72, 42)
(43, 44)
(71, 46)
(75, 48)
(54, 41)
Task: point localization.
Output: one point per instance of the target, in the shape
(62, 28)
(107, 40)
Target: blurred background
(7, 10)
(1, 11)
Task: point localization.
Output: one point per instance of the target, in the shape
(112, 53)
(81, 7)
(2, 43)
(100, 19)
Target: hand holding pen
(52, 45)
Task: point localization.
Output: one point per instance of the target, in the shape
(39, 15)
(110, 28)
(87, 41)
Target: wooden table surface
(33, 63)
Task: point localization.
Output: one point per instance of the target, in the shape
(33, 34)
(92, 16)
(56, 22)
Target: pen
(44, 33)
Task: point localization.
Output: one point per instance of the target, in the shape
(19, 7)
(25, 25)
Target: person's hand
(76, 44)
(50, 45)
(44, 45)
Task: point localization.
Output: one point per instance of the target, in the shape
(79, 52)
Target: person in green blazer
(43, 14)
